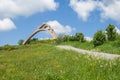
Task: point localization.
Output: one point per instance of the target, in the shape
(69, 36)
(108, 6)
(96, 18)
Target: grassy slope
(108, 47)
(46, 62)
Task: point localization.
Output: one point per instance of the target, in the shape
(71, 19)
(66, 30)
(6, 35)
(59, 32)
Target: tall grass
(46, 62)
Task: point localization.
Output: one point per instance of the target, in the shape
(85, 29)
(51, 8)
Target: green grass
(108, 47)
(46, 62)
(84, 45)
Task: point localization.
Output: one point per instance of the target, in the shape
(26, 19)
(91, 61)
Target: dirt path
(95, 54)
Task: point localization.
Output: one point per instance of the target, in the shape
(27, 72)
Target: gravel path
(95, 54)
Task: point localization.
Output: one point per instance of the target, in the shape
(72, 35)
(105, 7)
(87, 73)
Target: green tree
(34, 40)
(79, 37)
(111, 32)
(99, 38)
(66, 38)
(59, 39)
(72, 38)
(20, 42)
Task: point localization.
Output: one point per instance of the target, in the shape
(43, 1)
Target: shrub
(72, 38)
(33, 41)
(99, 38)
(0, 48)
(111, 32)
(117, 42)
(79, 37)
(59, 39)
(9, 48)
(66, 38)
(20, 42)
(76, 37)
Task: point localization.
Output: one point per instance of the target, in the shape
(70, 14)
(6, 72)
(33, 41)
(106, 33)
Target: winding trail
(95, 54)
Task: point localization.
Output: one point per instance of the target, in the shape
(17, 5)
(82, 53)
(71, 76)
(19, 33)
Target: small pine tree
(99, 38)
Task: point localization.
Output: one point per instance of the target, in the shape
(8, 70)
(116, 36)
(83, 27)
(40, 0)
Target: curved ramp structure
(43, 27)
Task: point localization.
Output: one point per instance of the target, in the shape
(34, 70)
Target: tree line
(99, 38)
(110, 34)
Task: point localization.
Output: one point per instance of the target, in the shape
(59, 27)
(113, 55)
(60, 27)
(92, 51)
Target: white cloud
(110, 9)
(83, 8)
(6, 24)
(59, 28)
(13, 8)
(88, 38)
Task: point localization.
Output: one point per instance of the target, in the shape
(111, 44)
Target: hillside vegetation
(103, 41)
(43, 61)
(108, 47)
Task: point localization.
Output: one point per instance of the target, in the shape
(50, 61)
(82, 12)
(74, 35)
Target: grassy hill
(44, 61)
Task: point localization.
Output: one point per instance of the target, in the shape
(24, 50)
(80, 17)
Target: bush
(79, 37)
(72, 38)
(117, 42)
(33, 41)
(8, 47)
(0, 48)
(111, 32)
(99, 38)
(66, 38)
(59, 39)
(76, 37)
(20, 42)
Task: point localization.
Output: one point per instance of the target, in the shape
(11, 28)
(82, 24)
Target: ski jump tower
(43, 27)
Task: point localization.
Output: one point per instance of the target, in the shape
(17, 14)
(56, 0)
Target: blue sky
(18, 20)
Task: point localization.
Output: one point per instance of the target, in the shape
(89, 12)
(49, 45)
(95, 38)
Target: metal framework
(43, 27)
